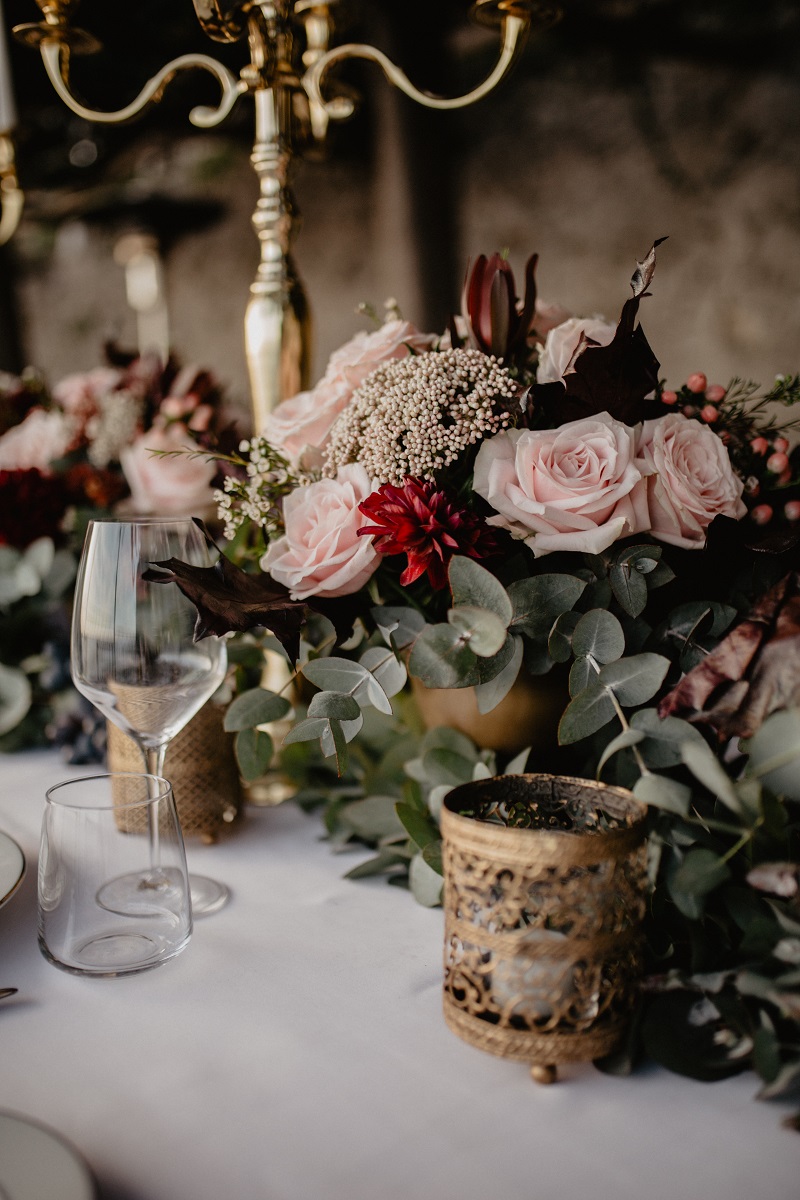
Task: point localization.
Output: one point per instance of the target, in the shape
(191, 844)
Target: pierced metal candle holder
(545, 886)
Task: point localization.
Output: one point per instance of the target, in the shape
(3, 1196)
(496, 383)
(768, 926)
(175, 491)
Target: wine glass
(133, 655)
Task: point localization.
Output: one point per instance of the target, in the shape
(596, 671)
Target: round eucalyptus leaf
(425, 882)
(472, 584)
(537, 602)
(623, 740)
(664, 737)
(629, 588)
(635, 680)
(775, 753)
(586, 713)
(581, 674)
(599, 634)
(386, 667)
(441, 658)
(483, 630)
(254, 750)
(338, 705)
(398, 626)
(660, 791)
(372, 818)
(488, 694)
(258, 706)
(559, 642)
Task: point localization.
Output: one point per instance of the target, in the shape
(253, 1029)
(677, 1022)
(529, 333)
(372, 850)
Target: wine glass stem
(154, 765)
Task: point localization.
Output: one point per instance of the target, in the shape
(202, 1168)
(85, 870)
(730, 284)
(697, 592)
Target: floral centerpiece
(83, 450)
(524, 498)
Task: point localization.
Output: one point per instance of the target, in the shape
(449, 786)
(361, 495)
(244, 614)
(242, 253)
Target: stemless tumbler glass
(87, 842)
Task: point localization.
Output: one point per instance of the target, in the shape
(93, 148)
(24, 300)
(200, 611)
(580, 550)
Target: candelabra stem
(277, 322)
(11, 197)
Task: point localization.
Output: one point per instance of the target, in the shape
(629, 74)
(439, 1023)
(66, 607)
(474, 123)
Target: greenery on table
(723, 987)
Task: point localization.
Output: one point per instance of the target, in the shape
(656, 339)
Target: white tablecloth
(296, 1051)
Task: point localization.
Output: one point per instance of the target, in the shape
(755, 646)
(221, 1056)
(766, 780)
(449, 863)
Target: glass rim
(141, 519)
(163, 793)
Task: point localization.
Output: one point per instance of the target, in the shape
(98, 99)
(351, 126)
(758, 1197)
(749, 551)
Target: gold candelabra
(290, 55)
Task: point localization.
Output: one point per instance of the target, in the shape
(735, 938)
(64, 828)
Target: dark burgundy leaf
(616, 378)
(643, 275)
(228, 600)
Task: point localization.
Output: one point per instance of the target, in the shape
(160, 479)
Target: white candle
(8, 113)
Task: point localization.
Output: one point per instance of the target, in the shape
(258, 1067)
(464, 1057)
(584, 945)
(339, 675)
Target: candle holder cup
(545, 891)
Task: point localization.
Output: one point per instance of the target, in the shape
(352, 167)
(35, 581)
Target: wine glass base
(142, 894)
(148, 894)
(208, 896)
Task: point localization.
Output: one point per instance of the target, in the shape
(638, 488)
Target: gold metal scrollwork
(290, 54)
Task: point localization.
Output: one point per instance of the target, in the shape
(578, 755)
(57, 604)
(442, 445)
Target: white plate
(12, 867)
(37, 1164)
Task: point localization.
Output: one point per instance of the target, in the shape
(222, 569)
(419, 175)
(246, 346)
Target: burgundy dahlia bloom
(427, 526)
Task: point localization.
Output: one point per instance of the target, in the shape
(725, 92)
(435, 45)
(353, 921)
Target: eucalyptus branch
(643, 769)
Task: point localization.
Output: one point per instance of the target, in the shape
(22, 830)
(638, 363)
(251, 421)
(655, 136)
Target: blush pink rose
(321, 553)
(359, 357)
(573, 488)
(38, 441)
(690, 482)
(178, 486)
(566, 341)
(300, 425)
(305, 420)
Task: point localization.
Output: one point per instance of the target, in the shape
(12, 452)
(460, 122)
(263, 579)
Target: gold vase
(528, 716)
(545, 886)
(201, 766)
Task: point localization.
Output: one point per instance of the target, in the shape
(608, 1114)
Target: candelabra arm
(514, 31)
(11, 197)
(55, 56)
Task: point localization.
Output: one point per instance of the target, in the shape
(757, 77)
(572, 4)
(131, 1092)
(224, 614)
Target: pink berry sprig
(699, 398)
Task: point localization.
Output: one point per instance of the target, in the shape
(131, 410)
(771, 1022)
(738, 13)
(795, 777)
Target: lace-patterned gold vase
(200, 765)
(544, 896)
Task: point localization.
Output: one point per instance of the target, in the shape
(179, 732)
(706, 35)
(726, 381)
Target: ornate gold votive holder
(545, 891)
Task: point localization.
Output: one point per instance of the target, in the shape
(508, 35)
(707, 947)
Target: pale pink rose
(359, 357)
(321, 553)
(690, 482)
(38, 441)
(177, 486)
(305, 420)
(566, 341)
(573, 488)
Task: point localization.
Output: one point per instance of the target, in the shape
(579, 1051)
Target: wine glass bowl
(133, 653)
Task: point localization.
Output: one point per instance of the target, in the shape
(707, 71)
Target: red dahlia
(427, 526)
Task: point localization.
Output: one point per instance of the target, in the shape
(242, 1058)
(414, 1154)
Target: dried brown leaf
(754, 671)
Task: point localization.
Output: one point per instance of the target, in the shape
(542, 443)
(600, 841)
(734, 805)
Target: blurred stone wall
(581, 157)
